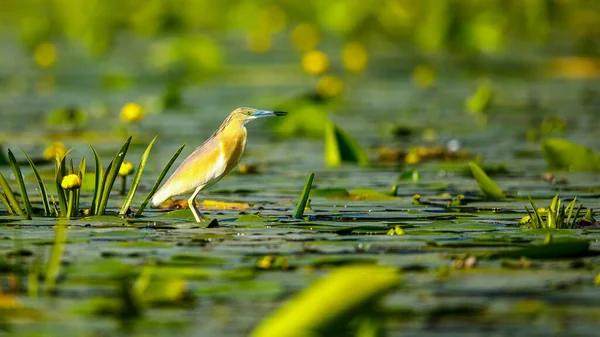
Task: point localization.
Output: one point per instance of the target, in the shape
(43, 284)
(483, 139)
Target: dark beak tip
(280, 113)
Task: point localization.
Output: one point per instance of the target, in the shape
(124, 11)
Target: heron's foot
(197, 214)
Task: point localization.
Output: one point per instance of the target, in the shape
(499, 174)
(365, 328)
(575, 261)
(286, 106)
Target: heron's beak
(267, 113)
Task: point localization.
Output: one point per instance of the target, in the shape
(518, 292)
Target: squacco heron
(212, 160)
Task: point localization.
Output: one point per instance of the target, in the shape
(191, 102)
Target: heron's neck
(234, 130)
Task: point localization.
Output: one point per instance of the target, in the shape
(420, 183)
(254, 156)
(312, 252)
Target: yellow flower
(45, 55)
(71, 182)
(57, 149)
(355, 57)
(258, 41)
(329, 86)
(305, 37)
(126, 168)
(315, 62)
(423, 76)
(132, 112)
(266, 262)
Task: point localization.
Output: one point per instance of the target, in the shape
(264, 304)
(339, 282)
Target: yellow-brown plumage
(212, 160)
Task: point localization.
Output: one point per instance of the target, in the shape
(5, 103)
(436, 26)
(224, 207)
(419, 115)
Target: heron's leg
(191, 203)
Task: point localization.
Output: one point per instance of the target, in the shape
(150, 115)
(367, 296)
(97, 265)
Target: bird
(212, 160)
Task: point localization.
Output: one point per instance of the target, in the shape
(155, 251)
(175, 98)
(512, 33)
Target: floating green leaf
(327, 301)
(551, 250)
(561, 154)
(486, 184)
(254, 218)
(341, 147)
(301, 205)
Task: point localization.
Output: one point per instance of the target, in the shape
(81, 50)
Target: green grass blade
(536, 214)
(299, 212)
(551, 218)
(485, 183)
(112, 175)
(555, 204)
(6, 204)
(162, 175)
(534, 223)
(41, 184)
(81, 174)
(104, 179)
(136, 178)
(53, 268)
(71, 168)
(98, 183)
(570, 208)
(14, 204)
(19, 176)
(62, 196)
(574, 223)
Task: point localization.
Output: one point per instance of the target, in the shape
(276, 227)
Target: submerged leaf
(486, 184)
(561, 154)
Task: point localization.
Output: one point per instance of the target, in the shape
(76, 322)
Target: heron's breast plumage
(207, 164)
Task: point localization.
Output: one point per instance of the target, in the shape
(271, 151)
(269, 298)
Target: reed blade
(159, 180)
(41, 185)
(112, 175)
(10, 197)
(62, 196)
(19, 176)
(6, 204)
(98, 182)
(136, 179)
(299, 212)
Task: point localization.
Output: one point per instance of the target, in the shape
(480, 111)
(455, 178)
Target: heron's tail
(160, 196)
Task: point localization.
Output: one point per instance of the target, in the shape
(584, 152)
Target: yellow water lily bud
(126, 168)
(355, 57)
(330, 85)
(423, 76)
(266, 262)
(132, 112)
(305, 37)
(45, 55)
(57, 149)
(315, 62)
(71, 182)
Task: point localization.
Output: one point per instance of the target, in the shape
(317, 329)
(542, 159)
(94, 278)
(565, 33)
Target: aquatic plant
(299, 212)
(340, 147)
(556, 215)
(68, 182)
(485, 183)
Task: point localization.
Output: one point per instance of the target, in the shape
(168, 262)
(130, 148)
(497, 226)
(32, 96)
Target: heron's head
(244, 115)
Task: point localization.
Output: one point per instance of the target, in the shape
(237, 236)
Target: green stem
(70, 203)
(123, 185)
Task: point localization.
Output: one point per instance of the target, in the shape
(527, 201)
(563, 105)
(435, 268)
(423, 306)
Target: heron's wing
(203, 167)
